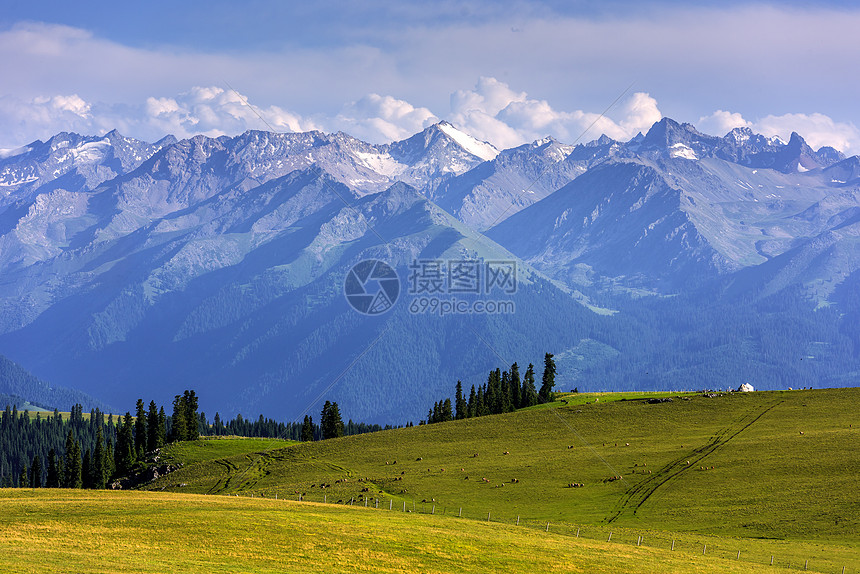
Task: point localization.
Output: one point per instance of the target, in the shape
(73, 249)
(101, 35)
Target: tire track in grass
(639, 493)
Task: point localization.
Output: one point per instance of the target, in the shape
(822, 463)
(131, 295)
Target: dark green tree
(162, 426)
(445, 412)
(331, 422)
(529, 395)
(53, 476)
(178, 421)
(308, 429)
(192, 429)
(140, 436)
(154, 432)
(124, 452)
(472, 405)
(460, 403)
(87, 471)
(72, 463)
(36, 472)
(546, 394)
(516, 386)
(24, 477)
(98, 463)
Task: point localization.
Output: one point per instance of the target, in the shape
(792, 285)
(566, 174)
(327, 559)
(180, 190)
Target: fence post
(404, 506)
(460, 514)
(704, 548)
(739, 555)
(610, 537)
(771, 559)
(806, 564)
(547, 526)
(434, 510)
(325, 498)
(673, 544)
(488, 517)
(518, 519)
(390, 504)
(577, 532)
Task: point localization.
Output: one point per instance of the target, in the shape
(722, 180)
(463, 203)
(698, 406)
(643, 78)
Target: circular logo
(371, 287)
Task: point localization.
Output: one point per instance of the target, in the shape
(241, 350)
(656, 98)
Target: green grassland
(753, 483)
(130, 532)
(766, 474)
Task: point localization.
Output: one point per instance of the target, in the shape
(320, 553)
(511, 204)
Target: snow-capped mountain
(70, 162)
(218, 263)
(677, 207)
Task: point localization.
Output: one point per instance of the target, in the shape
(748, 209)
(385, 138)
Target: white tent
(746, 388)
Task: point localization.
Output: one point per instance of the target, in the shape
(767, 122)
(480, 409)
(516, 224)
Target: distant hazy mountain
(676, 259)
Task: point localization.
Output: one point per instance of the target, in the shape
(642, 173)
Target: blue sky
(507, 72)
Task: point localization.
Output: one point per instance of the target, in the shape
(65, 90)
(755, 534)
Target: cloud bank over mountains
(383, 81)
(490, 111)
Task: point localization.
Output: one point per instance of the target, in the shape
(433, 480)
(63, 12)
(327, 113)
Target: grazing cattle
(419, 459)
(506, 452)
(570, 447)
(475, 455)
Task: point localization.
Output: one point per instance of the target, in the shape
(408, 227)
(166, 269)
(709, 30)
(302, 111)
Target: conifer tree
(445, 411)
(97, 470)
(152, 428)
(87, 471)
(178, 421)
(72, 463)
(24, 477)
(472, 404)
(124, 452)
(331, 421)
(546, 395)
(53, 476)
(140, 437)
(308, 429)
(506, 405)
(529, 395)
(460, 404)
(36, 473)
(481, 403)
(192, 430)
(515, 386)
(162, 428)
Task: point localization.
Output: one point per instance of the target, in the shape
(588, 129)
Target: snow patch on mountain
(683, 151)
(480, 149)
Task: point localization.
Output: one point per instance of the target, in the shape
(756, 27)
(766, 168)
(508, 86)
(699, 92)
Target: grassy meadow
(131, 532)
(700, 483)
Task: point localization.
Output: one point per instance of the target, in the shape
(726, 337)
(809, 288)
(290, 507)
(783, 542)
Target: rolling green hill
(718, 483)
(777, 467)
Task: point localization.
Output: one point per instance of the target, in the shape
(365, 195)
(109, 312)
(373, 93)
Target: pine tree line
(86, 453)
(89, 453)
(503, 392)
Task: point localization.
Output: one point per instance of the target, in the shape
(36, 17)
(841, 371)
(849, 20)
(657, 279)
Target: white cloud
(817, 129)
(208, 110)
(721, 122)
(376, 118)
(492, 111)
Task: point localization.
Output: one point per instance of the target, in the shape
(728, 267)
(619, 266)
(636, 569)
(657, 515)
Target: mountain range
(673, 260)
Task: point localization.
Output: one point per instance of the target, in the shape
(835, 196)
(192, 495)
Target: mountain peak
(484, 150)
